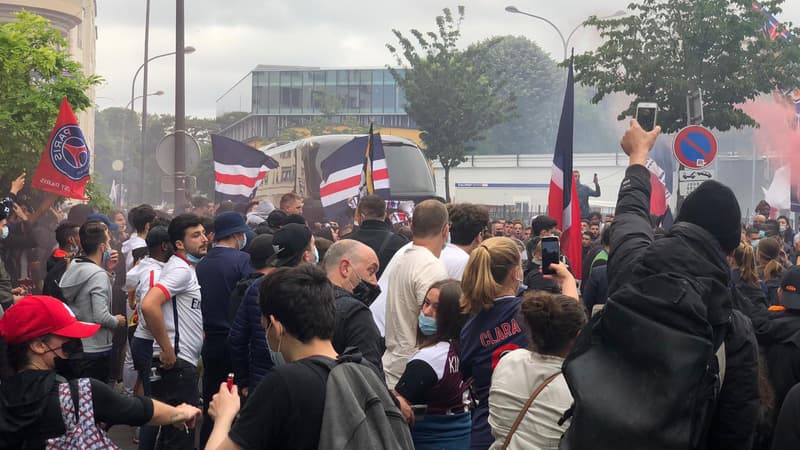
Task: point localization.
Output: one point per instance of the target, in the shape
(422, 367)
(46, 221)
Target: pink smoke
(778, 137)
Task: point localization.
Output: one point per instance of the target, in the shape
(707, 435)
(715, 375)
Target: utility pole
(180, 113)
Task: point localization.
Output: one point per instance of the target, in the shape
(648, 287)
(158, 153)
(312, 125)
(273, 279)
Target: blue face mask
(754, 243)
(782, 228)
(275, 356)
(193, 259)
(316, 255)
(243, 244)
(427, 325)
(5, 232)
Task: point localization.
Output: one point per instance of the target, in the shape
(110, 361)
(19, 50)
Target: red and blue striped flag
(238, 169)
(563, 203)
(355, 169)
(773, 28)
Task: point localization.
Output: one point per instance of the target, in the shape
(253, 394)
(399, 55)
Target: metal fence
(525, 212)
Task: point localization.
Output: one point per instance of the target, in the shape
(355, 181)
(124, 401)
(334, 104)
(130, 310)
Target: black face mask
(499, 233)
(72, 349)
(366, 292)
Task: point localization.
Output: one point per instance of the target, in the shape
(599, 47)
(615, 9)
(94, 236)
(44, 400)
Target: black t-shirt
(285, 411)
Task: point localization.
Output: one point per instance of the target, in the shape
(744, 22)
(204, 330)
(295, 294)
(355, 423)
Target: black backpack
(53, 278)
(237, 294)
(645, 371)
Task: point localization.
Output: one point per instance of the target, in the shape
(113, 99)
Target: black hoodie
(30, 412)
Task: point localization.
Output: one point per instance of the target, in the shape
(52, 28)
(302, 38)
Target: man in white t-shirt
(414, 272)
(141, 217)
(467, 224)
(172, 312)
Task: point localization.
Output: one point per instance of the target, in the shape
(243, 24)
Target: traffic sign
(689, 180)
(695, 147)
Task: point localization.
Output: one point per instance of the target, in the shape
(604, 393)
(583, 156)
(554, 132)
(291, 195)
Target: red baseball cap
(39, 315)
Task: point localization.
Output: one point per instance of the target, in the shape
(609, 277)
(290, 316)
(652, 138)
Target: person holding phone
(490, 284)
(584, 192)
(554, 322)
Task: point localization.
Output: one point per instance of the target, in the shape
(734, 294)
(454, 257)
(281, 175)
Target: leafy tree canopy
(36, 72)
(452, 101)
(664, 49)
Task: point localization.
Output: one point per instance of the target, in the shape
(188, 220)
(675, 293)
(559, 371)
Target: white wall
(501, 177)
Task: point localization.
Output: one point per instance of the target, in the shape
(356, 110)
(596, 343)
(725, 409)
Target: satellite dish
(165, 153)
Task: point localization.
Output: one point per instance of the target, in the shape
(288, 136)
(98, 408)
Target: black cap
(156, 236)
(260, 250)
(790, 288)
(99, 217)
(277, 218)
(713, 207)
(289, 242)
(228, 223)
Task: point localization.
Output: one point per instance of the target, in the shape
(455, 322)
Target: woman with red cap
(38, 408)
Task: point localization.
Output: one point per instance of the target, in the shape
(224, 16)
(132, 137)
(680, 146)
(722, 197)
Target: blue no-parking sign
(695, 147)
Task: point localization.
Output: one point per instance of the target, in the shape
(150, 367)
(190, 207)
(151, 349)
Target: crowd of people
(439, 333)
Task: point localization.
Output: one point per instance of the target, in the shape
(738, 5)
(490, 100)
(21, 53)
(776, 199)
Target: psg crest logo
(69, 153)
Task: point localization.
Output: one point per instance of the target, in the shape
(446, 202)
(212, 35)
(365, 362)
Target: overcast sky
(233, 36)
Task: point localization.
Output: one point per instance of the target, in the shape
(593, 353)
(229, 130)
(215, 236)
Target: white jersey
(178, 281)
(141, 278)
(129, 246)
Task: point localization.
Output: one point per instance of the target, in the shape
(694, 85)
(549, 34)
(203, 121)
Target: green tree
(451, 100)
(663, 49)
(36, 72)
(525, 71)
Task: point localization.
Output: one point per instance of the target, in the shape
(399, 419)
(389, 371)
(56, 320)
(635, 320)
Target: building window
(287, 175)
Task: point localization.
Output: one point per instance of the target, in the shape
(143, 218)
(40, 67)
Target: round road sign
(695, 147)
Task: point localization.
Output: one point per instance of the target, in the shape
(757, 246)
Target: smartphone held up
(551, 254)
(646, 115)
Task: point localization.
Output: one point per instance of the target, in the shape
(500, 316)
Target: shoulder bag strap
(526, 407)
(175, 320)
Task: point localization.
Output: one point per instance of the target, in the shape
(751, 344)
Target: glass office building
(275, 97)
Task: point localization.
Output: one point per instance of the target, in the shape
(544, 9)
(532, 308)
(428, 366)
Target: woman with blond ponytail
(745, 277)
(489, 288)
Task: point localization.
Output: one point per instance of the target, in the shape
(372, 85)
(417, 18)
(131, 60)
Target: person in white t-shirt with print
(172, 312)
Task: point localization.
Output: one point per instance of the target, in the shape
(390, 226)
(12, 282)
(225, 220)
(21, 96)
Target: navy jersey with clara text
(481, 336)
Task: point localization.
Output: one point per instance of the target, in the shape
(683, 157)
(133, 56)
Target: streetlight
(564, 42)
(187, 50)
(141, 96)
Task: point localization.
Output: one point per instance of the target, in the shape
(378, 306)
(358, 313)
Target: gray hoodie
(87, 290)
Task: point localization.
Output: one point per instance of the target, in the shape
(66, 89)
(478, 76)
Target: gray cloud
(234, 36)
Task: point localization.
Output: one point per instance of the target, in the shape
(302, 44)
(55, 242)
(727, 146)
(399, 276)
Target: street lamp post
(564, 42)
(122, 140)
(186, 50)
(151, 94)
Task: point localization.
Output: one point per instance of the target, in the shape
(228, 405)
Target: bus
(410, 174)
